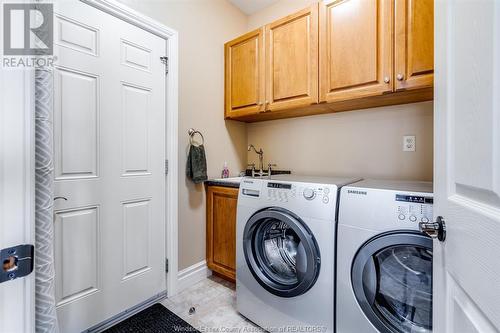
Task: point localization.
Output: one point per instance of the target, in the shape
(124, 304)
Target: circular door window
(392, 281)
(281, 252)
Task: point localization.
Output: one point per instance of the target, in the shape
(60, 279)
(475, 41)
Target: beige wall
(204, 26)
(368, 143)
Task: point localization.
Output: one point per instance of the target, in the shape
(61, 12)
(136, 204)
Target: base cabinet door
(244, 75)
(355, 49)
(221, 230)
(292, 60)
(414, 44)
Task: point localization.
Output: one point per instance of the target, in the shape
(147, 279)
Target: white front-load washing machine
(285, 243)
(384, 263)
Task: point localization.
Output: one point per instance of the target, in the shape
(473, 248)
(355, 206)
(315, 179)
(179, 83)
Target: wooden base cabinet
(221, 230)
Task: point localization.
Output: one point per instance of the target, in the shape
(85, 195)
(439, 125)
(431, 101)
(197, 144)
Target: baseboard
(192, 275)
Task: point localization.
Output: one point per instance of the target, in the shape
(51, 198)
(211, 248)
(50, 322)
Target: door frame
(19, 170)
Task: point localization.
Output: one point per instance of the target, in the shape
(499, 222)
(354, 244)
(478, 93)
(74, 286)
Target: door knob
(400, 77)
(434, 229)
(387, 79)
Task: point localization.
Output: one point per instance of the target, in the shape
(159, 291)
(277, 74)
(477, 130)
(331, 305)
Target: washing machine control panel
(282, 192)
(413, 208)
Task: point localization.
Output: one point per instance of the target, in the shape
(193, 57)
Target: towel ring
(192, 132)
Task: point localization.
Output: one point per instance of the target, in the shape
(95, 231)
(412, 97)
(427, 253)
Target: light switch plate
(409, 143)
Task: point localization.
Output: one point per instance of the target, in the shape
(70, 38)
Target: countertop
(225, 182)
(235, 181)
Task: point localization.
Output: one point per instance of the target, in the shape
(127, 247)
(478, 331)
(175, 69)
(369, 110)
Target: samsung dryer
(285, 252)
(384, 263)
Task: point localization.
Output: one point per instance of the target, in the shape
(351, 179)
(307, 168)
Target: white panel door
(467, 166)
(109, 137)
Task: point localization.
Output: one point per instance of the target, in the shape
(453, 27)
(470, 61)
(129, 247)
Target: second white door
(466, 269)
(109, 137)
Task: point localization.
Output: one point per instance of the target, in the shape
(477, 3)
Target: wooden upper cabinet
(244, 71)
(414, 45)
(335, 55)
(355, 49)
(292, 60)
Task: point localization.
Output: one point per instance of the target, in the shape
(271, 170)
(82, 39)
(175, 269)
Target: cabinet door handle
(387, 79)
(400, 77)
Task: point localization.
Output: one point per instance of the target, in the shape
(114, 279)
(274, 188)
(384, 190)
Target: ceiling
(251, 6)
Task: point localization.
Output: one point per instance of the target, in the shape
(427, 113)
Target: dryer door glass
(393, 282)
(281, 252)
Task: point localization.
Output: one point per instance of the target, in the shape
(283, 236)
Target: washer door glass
(281, 252)
(392, 281)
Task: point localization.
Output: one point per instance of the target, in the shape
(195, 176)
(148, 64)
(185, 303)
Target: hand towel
(196, 168)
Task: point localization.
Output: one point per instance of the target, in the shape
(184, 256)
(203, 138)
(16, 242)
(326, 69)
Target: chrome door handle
(434, 229)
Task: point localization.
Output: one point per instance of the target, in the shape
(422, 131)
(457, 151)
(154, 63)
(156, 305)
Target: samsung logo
(356, 192)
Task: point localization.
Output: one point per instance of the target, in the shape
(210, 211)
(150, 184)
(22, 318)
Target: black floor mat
(155, 319)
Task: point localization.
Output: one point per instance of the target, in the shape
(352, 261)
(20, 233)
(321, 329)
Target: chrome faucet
(259, 152)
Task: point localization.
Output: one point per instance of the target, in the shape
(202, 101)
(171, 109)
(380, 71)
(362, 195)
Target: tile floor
(215, 302)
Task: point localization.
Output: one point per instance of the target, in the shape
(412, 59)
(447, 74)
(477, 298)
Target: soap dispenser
(225, 171)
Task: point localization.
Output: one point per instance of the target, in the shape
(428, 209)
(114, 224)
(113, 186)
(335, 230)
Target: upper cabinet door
(244, 81)
(356, 49)
(414, 46)
(292, 60)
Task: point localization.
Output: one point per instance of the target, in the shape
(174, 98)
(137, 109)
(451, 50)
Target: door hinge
(166, 265)
(166, 167)
(164, 60)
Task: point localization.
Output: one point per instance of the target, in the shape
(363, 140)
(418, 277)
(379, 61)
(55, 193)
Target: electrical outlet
(409, 143)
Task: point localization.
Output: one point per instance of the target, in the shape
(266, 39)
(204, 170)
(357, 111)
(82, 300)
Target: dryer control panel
(414, 208)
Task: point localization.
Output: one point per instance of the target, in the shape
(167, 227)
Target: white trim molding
(171, 37)
(133, 17)
(192, 275)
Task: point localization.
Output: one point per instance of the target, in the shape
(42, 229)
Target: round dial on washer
(309, 194)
